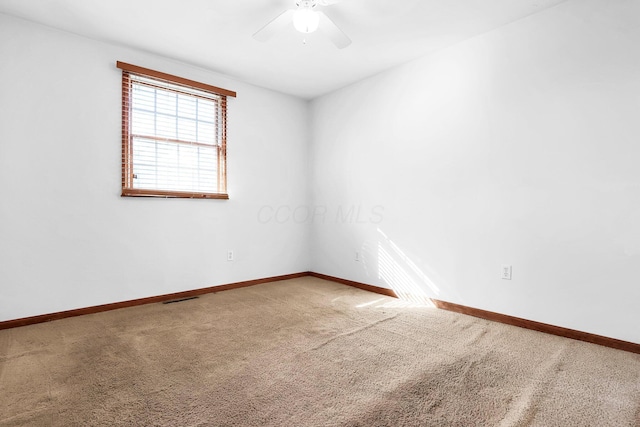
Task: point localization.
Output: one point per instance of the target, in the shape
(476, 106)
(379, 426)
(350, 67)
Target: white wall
(67, 238)
(517, 147)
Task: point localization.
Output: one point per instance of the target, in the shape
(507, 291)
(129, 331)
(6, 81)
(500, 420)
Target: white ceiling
(216, 34)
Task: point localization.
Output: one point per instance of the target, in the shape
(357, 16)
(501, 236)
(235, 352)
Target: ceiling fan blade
(335, 34)
(274, 26)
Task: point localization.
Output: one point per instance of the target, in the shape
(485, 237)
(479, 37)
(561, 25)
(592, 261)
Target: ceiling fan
(306, 19)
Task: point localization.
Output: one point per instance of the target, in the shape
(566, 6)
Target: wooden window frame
(127, 145)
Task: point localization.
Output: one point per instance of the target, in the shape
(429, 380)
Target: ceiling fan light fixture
(306, 20)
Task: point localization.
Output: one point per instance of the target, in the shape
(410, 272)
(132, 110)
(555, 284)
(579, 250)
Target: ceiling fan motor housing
(306, 4)
(305, 19)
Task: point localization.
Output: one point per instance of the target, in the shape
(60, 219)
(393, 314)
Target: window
(174, 136)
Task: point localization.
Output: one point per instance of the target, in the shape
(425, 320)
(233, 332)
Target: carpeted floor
(307, 352)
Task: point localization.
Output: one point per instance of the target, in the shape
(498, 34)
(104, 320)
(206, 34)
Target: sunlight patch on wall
(399, 272)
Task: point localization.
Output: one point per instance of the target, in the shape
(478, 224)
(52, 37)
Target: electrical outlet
(506, 272)
(357, 256)
(230, 255)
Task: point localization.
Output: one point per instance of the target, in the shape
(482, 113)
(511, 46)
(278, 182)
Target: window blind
(174, 136)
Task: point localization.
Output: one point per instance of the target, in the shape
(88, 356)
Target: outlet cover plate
(506, 272)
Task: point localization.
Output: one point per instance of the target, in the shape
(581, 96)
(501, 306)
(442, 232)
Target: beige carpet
(306, 352)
